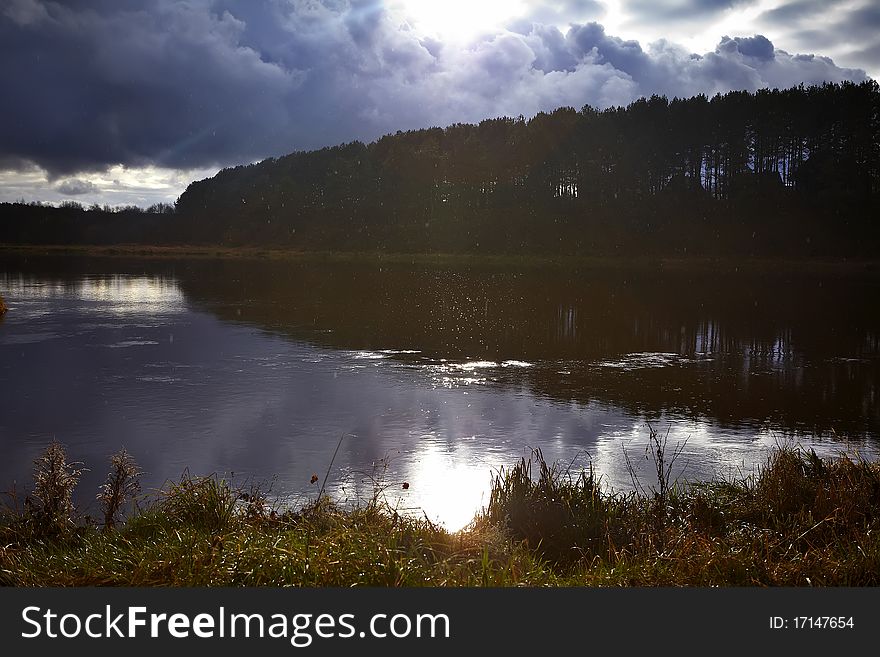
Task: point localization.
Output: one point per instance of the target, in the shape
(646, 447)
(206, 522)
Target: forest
(793, 172)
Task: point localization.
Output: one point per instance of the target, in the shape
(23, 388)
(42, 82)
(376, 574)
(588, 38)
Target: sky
(127, 101)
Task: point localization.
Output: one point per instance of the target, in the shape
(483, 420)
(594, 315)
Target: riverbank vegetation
(870, 265)
(798, 521)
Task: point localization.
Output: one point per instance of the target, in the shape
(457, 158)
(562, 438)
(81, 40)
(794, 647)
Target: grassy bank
(798, 521)
(725, 264)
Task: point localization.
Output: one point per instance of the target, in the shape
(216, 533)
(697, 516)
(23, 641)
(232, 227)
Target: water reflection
(116, 294)
(798, 352)
(436, 377)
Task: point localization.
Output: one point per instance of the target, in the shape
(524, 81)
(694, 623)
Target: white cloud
(117, 185)
(76, 187)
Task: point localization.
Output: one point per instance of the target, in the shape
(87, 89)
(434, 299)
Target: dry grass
(51, 505)
(799, 521)
(122, 485)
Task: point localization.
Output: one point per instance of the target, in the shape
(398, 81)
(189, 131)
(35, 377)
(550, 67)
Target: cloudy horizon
(127, 102)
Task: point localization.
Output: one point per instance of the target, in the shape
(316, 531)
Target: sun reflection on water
(119, 294)
(126, 295)
(447, 488)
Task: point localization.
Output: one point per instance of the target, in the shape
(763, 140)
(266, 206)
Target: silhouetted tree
(794, 170)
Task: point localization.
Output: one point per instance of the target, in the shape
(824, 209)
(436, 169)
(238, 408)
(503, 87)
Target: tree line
(71, 222)
(793, 171)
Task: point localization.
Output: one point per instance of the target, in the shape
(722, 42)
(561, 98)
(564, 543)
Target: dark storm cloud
(626, 56)
(796, 11)
(552, 51)
(757, 46)
(871, 53)
(557, 12)
(834, 18)
(74, 187)
(822, 38)
(645, 10)
(861, 22)
(162, 82)
(858, 28)
(219, 82)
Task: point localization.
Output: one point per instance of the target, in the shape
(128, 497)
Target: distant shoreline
(720, 264)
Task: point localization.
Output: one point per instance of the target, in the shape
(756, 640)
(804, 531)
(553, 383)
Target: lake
(426, 375)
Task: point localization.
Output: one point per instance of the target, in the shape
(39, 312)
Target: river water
(428, 379)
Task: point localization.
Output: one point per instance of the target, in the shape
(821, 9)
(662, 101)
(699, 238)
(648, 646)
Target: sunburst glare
(459, 20)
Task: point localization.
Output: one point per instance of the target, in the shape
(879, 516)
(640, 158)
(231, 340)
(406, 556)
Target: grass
(798, 521)
(721, 264)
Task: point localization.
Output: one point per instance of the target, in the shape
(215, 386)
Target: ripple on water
(475, 365)
(29, 338)
(131, 343)
(159, 379)
(367, 355)
(648, 360)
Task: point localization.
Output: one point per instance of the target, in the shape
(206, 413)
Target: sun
(456, 20)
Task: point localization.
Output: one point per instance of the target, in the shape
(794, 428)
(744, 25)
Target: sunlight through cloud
(457, 20)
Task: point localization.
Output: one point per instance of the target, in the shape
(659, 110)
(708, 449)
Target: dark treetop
(776, 172)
